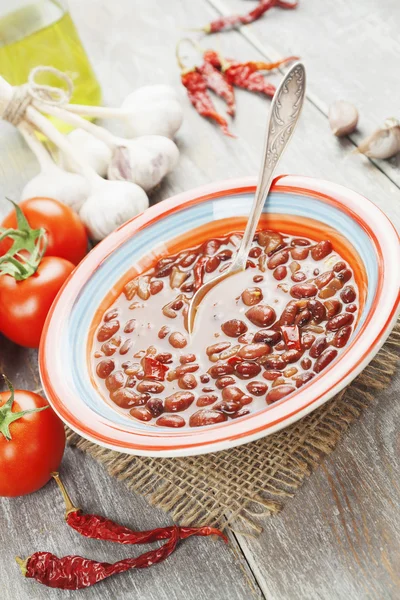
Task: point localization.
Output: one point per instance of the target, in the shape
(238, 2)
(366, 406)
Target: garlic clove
(384, 142)
(96, 153)
(343, 118)
(144, 161)
(69, 188)
(154, 110)
(110, 205)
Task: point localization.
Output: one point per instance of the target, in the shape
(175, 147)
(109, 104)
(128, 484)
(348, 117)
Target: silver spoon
(283, 116)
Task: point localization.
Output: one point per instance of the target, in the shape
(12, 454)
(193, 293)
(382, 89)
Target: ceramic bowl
(298, 205)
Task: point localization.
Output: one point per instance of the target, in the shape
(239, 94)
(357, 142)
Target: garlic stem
(76, 121)
(44, 159)
(99, 112)
(6, 92)
(50, 131)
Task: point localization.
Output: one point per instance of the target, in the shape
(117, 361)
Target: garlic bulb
(110, 205)
(96, 153)
(152, 110)
(145, 160)
(384, 142)
(52, 182)
(343, 118)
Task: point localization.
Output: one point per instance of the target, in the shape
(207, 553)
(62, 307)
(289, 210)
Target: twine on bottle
(24, 95)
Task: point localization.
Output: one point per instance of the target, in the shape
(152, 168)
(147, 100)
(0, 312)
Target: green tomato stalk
(7, 416)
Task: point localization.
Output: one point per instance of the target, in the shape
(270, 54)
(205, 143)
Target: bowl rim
(330, 193)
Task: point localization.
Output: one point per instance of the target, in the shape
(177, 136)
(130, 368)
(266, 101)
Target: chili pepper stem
(69, 507)
(23, 565)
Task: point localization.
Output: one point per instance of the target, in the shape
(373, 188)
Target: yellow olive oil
(41, 32)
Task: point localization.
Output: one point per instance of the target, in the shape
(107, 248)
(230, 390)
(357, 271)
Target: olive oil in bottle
(41, 32)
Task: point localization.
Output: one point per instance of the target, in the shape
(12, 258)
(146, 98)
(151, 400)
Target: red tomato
(35, 449)
(66, 234)
(24, 304)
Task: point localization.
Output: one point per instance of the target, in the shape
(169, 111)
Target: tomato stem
(7, 416)
(23, 565)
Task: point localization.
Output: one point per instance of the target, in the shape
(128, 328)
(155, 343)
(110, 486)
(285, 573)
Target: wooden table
(340, 536)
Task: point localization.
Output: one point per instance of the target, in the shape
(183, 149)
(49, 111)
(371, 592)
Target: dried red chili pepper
(196, 86)
(76, 572)
(235, 21)
(100, 528)
(216, 82)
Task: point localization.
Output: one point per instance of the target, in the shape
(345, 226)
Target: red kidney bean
(253, 351)
(115, 381)
(272, 375)
(280, 273)
(220, 369)
(126, 346)
(317, 310)
(318, 347)
(240, 413)
(189, 368)
(187, 382)
(321, 250)
(177, 340)
(234, 327)
(331, 289)
(280, 258)
(187, 287)
(298, 277)
(333, 307)
(348, 294)
(223, 382)
(164, 357)
(247, 370)
(130, 326)
(300, 242)
(303, 378)
(164, 331)
(342, 337)
(245, 399)
(204, 378)
(207, 390)
(267, 336)
(258, 278)
(105, 368)
(225, 254)
(339, 266)
(187, 358)
(278, 393)
(228, 407)
(206, 400)
(188, 260)
(344, 275)
(178, 402)
(252, 296)
(156, 287)
(210, 247)
(291, 356)
(165, 270)
(126, 399)
(217, 348)
(261, 315)
(323, 361)
(299, 253)
(351, 308)
(255, 252)
(275, 363)
(280, 346)
(212, 263)
(155, 406)
(303, 290)
(257, 388)
(339, 321)
(306, 363)
(151, 387)
(245, 338)
(307, 340)
(303, 317)
(107, 330)
(323, 279)
(111, 315)
(171, 421)
(109, 348)
(232, 393)
(206, 416)
(141, 413)
(289, 313)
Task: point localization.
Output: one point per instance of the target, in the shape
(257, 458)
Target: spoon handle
(284, 113)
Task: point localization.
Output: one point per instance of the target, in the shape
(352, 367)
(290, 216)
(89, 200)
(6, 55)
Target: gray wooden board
(340, 535)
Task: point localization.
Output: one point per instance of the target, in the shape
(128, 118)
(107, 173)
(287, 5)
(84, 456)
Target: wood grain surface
(339, 537)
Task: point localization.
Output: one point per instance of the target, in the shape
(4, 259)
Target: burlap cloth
(247, 482)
